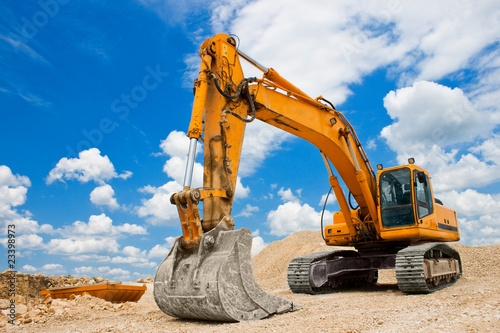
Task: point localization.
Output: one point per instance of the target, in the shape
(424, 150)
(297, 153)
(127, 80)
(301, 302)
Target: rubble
(472, 304)
(148, 280)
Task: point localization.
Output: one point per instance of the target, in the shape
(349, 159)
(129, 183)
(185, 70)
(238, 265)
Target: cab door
(423, 196)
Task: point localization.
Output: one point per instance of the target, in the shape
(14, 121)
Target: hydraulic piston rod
(188, 176)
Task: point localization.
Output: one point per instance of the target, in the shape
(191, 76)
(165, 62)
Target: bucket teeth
(214, 281)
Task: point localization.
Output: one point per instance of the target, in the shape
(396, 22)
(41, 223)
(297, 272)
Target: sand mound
(470, 305)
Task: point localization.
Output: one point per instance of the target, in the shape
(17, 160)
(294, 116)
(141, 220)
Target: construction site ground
(470, 305)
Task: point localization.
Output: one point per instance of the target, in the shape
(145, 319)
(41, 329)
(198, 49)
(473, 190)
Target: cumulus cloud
(287, 195)
(133, 256)
(471, 203)
(100, 225)
(432, 122)
(13, 193)
(161, 250)
(248, 211)
(331, 200)
(293, 216)
(47, 269)
(483, 230)
(92, 240)
(428, 114)
(258, 243)
(13, 188)
(28, 268)
(70, 246)
(478, 215)
(158, 209)
(89, 166)
(89, 257)
(30, 241)
(415, 42)
(104, 196)
(176, 146)
(103, 271)
(260, 142)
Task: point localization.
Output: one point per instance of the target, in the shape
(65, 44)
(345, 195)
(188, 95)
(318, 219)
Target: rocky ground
(470, 305)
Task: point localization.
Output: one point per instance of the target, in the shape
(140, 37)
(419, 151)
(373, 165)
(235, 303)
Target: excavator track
(299, 274)
(425, 268)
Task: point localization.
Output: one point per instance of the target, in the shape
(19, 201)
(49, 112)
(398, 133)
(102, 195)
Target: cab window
(395, 198)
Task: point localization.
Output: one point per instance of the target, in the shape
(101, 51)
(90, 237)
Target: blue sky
(96, 97)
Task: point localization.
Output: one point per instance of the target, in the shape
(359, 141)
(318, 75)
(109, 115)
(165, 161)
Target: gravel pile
(470, 305)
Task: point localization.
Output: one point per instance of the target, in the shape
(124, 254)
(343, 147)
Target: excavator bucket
(214, 281)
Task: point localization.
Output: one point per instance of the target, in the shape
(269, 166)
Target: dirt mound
(30, 285)
(470, 305)
(271, 264)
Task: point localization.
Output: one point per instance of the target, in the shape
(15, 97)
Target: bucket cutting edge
(215, 281)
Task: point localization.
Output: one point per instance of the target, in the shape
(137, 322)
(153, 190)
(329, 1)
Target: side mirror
(421, 177)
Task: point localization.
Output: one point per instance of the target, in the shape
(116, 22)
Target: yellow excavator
(397, 224)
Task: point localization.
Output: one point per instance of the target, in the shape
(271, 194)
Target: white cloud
(103, 271)
(52, 267)
(471, 203)
(483, 230)
(100, 225)
(47, 269)
(158, 209)
(161, 251)
(331, 200)
(11, 180)
(419, 42)
(432, 122)
(134, 256)
(104, 196)
(177, 144)
(89, 257)
(13, 188)
(258, 244)
(91, 241)
(82, 246)
(118, 272)
(428, 114)
(287, 195)
(83, 270)
(478, 215)
(31, 241)
(260, 141)
(292, 216)
(175, 168)
(13, 193)
(28, 268)
(248, 211)
(89, 166)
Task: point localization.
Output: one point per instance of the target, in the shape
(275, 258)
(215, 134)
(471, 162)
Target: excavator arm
(225, 101)
(208, 273)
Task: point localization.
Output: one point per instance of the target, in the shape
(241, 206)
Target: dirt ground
(470, 305)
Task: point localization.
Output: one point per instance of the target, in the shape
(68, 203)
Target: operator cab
(404, 193)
